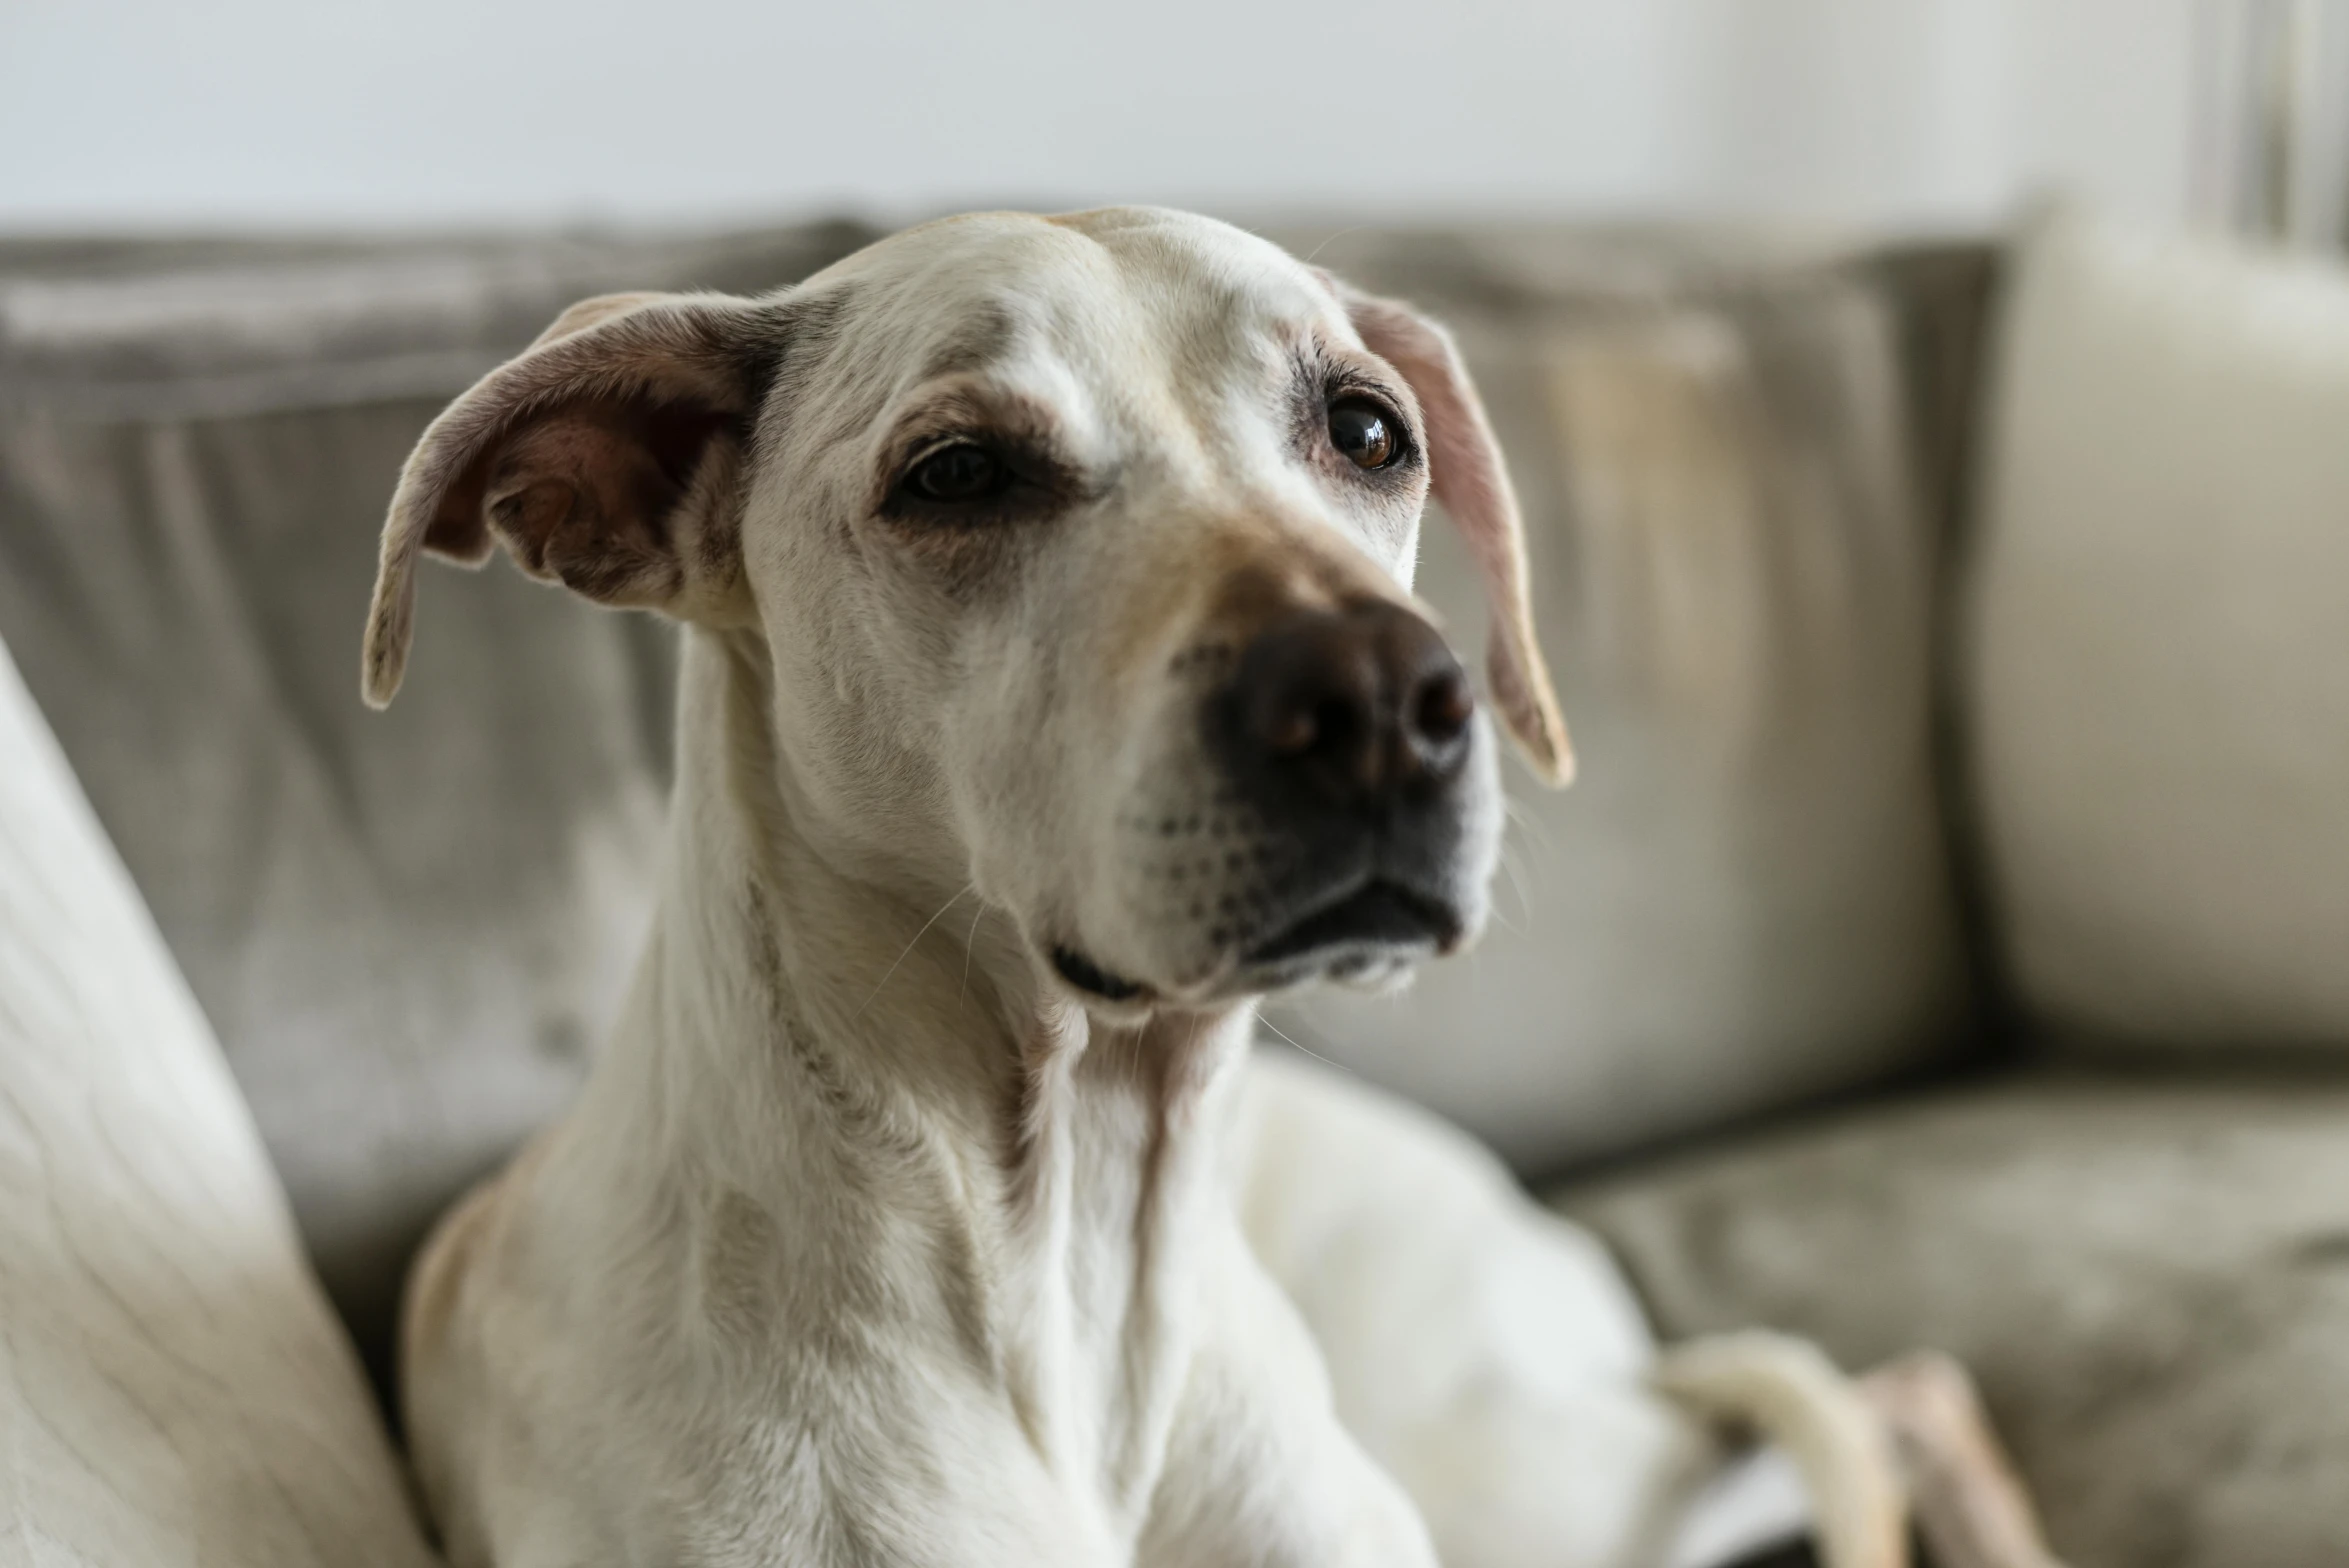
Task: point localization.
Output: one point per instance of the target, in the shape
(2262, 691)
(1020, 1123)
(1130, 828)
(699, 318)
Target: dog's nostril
(1290, 732)
(1443, 706)
(1350, 706)
(1311, 708)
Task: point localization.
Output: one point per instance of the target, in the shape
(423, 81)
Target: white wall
(1901, 112)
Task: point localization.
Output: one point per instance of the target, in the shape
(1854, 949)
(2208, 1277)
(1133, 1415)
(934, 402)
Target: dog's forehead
(1110, 289)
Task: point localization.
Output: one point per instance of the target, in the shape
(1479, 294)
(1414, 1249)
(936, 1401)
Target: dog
(1052, 690)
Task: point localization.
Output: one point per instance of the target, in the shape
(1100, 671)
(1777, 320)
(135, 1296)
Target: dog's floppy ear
(603, 457)
(1467, 475)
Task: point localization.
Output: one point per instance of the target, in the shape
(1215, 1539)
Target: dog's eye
(1358, 428)
(961, 473)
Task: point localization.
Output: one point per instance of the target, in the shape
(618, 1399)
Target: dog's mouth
(1089, 977)
(1373, 925)
(1376, 919)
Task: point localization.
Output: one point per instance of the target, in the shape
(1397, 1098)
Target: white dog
(1052, 690)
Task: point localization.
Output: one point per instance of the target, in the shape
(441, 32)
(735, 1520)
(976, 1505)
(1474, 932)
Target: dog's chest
(866, 1405)
(913, 1477)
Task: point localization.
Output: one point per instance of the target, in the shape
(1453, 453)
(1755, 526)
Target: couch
(1947, 942)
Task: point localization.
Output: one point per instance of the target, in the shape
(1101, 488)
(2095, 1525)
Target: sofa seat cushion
(2150, 1277)
(173, 1385)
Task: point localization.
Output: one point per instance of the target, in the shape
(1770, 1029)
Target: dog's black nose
(1356, 708)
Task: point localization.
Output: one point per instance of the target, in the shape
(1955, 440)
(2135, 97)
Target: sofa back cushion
(2159, 664)
(409, 928)
(1743, 901)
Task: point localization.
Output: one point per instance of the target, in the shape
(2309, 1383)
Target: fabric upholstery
(2159, 661)
(1744, 900)
(173, 1386)
(2150, 1277)
(408, 928)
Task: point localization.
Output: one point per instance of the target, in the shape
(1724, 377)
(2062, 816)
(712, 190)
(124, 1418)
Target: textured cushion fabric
(173, 1386)
(2160, 644)
(1743, 901)
(2149, 1276)
(408, 928)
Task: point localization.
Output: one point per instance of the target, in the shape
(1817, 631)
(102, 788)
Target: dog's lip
(1092, 979)
(1363, 922)
(1374, 916)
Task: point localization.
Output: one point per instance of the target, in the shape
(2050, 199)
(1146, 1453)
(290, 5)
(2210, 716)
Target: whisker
(1510, 869)
(1333, 239)
(962, 994)
(1527, 821)
(1308, 1050)
(967, 887)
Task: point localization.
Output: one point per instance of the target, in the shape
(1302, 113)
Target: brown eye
(1358, 428)
(957, 474)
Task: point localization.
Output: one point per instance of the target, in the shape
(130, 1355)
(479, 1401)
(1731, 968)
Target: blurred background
(1900, 114)
(1931, 419)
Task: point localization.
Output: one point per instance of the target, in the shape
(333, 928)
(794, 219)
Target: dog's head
(1079, 550)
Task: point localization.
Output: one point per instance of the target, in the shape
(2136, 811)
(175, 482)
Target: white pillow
(173, 1388)
(2160, 642)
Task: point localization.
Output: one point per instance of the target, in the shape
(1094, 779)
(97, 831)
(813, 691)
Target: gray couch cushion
(2151, 1279)
(1744, 901)
(407, 928)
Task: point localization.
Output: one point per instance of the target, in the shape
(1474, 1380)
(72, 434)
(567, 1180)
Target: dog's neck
(886, 1091)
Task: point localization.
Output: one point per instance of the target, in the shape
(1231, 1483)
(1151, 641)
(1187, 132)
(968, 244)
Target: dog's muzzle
(1347, 732)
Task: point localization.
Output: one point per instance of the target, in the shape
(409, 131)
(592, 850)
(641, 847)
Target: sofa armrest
(173, 1388)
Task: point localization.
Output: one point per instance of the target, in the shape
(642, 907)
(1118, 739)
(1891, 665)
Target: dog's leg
(1971, 1509)
(1788, 1391)
(1485, 1351)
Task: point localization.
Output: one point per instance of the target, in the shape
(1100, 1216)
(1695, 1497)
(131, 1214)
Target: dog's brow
(971, 403)
(975, 406)
(981, 339)
(1323, 367)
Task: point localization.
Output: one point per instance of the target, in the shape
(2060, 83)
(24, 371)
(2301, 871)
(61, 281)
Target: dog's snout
(1354, 707)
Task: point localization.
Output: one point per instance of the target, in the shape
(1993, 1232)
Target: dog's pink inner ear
(603, 458)
(588, 495)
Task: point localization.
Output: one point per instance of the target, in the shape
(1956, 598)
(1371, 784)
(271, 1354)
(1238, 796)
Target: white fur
(871, 1240)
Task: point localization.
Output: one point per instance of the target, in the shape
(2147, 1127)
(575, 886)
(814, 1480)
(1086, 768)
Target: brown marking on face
(963, 548)
(1208, 592)
(970, 406)
(1264, 576)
